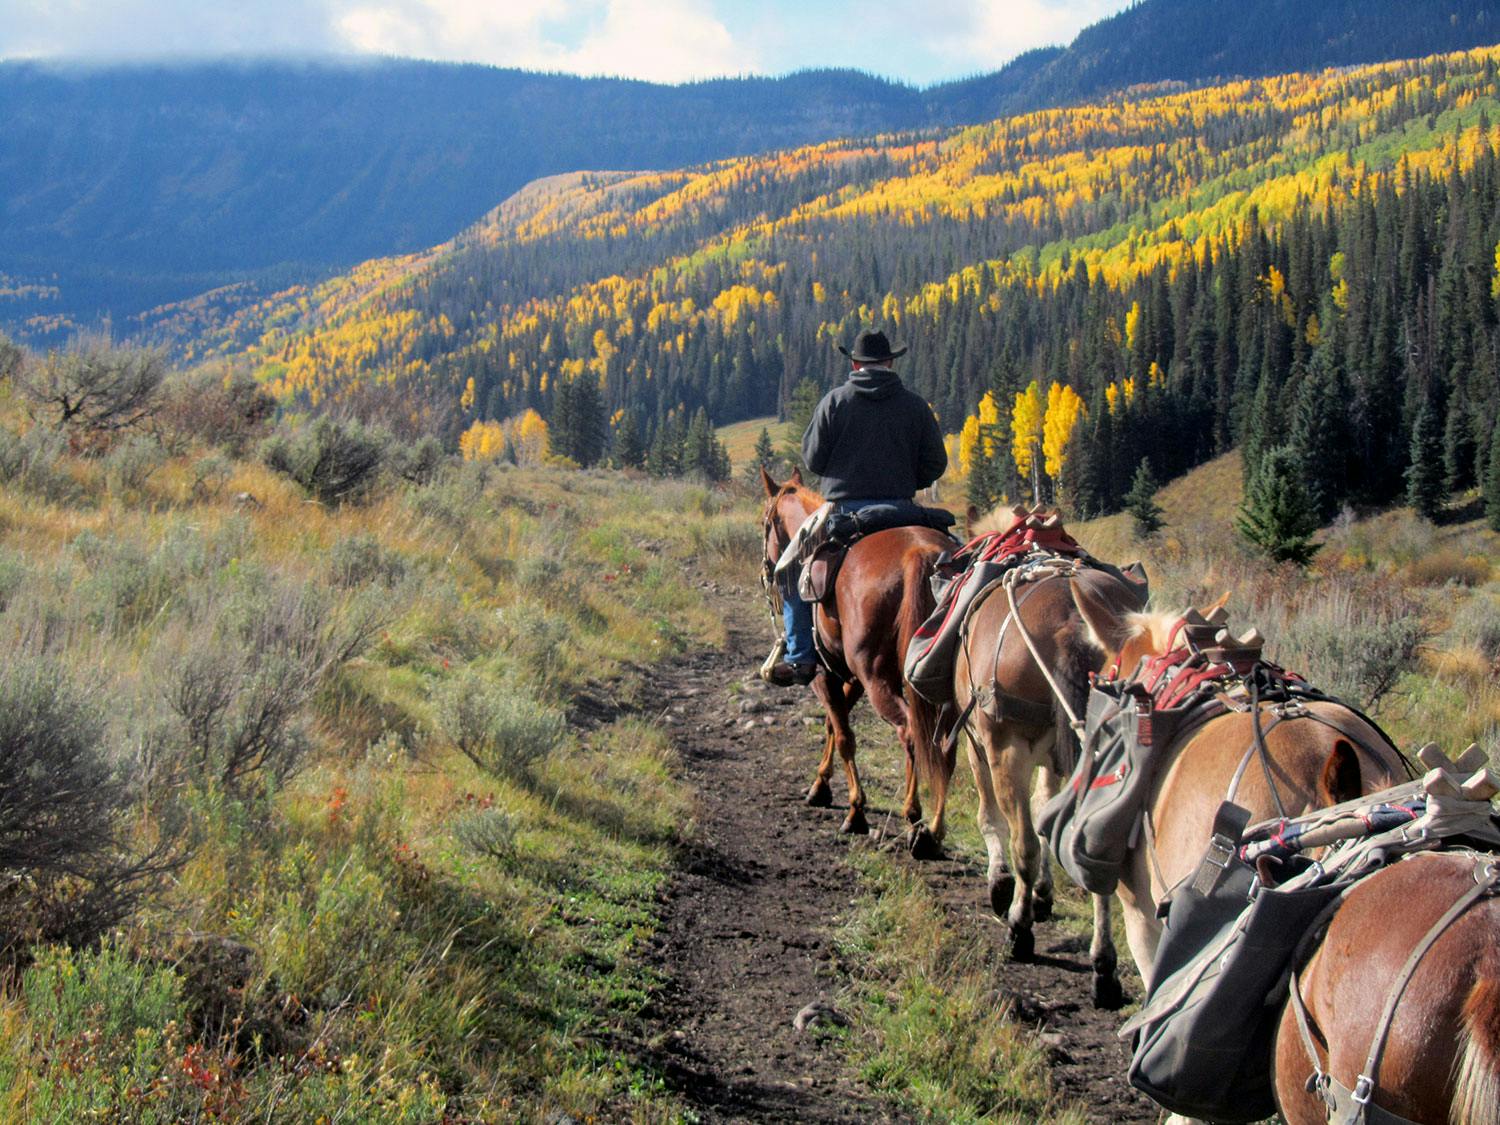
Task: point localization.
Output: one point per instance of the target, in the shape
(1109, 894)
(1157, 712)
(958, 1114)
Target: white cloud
(659, 40)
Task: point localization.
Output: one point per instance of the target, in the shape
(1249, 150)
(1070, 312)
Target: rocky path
(745, 941)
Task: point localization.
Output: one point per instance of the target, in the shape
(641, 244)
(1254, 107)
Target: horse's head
(788, 504)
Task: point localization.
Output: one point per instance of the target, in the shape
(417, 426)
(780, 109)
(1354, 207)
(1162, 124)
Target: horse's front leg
(1044, 895)
(1108, 994)
(838, 700)
(820, 794)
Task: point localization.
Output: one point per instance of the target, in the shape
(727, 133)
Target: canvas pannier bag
(1093, 822)
(1205, 1035)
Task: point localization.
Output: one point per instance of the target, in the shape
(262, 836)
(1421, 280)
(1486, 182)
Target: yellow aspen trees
(466, 400)
(1064, 411)
(1026, 428)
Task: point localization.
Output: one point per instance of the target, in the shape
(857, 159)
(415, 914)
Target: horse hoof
(855, 824)
(1022, 945)
(1108, 995)
(923, 844)
(1041, 907)
(1002, 889)
(820, 796)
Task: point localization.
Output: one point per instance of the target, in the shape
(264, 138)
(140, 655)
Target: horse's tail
(1476, 1095)
(934, 760)
(1077, 659)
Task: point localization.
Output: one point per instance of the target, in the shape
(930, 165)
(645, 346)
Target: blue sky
(917, 41)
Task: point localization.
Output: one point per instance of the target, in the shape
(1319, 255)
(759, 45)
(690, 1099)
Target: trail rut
(745, 941)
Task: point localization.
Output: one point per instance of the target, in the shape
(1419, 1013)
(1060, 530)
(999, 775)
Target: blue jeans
(797, 615)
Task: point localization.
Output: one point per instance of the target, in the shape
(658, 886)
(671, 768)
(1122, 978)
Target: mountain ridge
(135, 186)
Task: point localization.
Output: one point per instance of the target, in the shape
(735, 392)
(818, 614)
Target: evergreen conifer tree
(1424, 476)
(629, 451)
(1492, 483)
(1140, 502)
(1277, 516)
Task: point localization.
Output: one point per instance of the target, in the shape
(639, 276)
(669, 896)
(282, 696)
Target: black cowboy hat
(871, 347)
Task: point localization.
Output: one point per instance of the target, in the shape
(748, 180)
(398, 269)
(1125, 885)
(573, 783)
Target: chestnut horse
(880, 598)
(1023, 664)
(1316, 754)
(1440, 1059)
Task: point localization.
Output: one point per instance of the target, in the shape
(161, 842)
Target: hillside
(1301, 260)
(126, 187)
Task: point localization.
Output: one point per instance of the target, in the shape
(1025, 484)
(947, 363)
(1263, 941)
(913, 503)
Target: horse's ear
(971, 517)
(1341, 780)
(796, 477)
(768, 482)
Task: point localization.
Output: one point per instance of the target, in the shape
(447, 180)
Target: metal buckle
(1363, 1089)
(1220, 851)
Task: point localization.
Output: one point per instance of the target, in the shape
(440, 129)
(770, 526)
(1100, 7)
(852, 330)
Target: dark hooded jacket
(872, 438)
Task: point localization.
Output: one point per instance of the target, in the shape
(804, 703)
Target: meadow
(360, 823)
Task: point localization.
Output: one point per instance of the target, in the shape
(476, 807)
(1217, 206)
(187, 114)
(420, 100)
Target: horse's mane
(1002, 519)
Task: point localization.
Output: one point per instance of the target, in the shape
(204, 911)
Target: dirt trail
(745, 938)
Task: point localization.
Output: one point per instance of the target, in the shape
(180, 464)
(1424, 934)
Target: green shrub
(496, 727)
(210, 475)
(336, 462)
(94, 386)
(454, 495)
(13, 575)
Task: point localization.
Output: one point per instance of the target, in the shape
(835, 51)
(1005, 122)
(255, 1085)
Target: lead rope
(1260, 745)
(1010, 592)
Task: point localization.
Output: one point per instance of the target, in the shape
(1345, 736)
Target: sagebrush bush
(34, 461)
(360, 559)
(454, 495)
(336, 462)
(496, 726)
(1476, 623)
(131, 463)
(209, 476)
(258, 652)
(1354, 641)
(487, 832)
(69, 873)
(227, 410)
(13, 574)
(417, 462)
(94, 387)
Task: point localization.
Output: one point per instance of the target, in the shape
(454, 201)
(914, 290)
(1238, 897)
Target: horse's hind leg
(1002, 883)
(1012, 771)
(891, 707)
(838, 700)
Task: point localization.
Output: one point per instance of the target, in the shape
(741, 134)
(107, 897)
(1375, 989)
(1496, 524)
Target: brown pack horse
(1315, 754)
(1440, 1060)
(880, 599)
(1018, 702)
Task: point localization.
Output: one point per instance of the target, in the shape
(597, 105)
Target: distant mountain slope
(1305, 258)
(125, 187)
